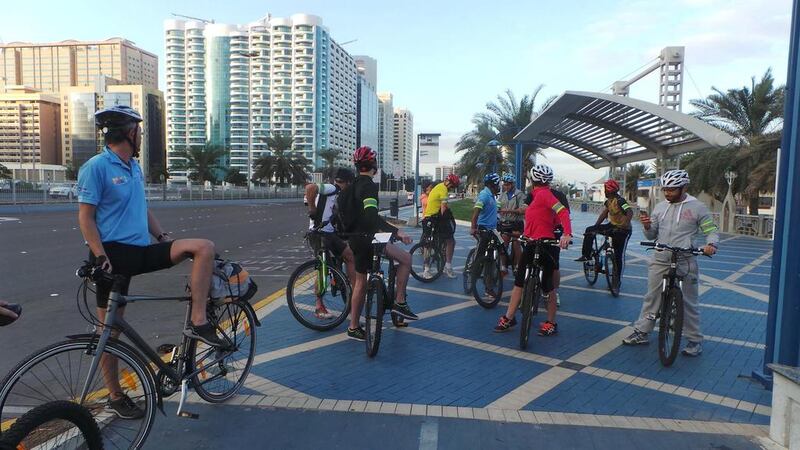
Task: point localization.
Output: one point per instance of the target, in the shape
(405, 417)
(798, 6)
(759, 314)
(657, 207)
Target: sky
(445, 59)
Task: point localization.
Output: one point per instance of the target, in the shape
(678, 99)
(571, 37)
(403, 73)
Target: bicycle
(670, 315)
(603, 260)
(429, 252)
(380, 295)
(532, 290)
(486, 282)
(317, 278)
(59, 424)
(68, 370)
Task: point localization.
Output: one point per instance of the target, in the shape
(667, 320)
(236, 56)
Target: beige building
(53, 66)
(30, 132)
(403, 136)
(81, 140)
(443, 171)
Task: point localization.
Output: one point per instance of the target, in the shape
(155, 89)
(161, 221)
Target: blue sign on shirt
(488, 205)
(116, 189)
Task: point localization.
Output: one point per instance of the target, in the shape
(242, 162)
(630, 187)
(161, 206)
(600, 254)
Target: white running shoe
(449, 273)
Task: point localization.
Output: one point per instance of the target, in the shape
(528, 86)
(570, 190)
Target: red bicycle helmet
(454, 180)
(611, 186)
(365, 156)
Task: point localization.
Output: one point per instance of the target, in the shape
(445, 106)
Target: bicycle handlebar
(658, 246)
(544, 241)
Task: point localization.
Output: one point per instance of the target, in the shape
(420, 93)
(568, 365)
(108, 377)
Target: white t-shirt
(330, 191)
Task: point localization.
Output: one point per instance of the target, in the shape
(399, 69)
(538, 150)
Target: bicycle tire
(670, 326)
(374, 309)
(530, 307)
(397, 321)
(489, 279)
(434, 255)
(612, 276)
(22, 433)
(136, 376)
(296, 307)
(243, 335)
(590, 270)
(467, 268)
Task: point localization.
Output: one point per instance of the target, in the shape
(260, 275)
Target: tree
(234, 177)
(634, 173)
(329, 155)
(201, 163)
(754, 116)
(501, 121)
(282, 165)
(5, 173)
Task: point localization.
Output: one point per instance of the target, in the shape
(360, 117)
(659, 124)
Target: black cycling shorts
(131, 260)
(334, 243)
(363, 250)
(510, 227)
(548, 258)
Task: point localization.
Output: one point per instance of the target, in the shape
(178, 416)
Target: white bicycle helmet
(675, 178)
(542, 173)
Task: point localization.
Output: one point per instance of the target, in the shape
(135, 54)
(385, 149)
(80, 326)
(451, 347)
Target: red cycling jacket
(543, 213)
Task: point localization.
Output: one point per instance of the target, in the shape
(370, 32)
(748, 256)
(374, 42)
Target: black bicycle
(380, 294)
(318, 291)
(71, 370)
(486, 281)
(429, 254)
(532, 290)
(670, 315)
(59, 424)
(603, 260)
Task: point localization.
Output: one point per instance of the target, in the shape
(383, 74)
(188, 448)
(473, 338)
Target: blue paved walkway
(451, 364)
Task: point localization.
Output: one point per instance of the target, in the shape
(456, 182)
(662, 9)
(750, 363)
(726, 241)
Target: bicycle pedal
(165, 348)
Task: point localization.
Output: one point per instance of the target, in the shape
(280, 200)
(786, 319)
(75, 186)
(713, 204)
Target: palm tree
(201, 163)
(329, 155)
(5, 173)
(501, 121)
(754, 116)
(282, 165)
(634, 173)
(234, 177)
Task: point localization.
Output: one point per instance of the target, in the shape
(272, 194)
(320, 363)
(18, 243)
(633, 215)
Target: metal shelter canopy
(605, 130)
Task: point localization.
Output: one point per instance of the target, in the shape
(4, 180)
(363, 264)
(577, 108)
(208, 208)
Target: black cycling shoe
(205, 333)
(124, 408)
(403, 310)
(583, 259)
(357, 333)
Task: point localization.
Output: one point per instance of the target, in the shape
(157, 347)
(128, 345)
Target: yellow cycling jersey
(435, 199)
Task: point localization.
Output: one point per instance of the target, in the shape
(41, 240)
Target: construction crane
(193, 18)
(348, 42)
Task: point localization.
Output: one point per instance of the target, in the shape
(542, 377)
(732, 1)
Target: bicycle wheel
(467, 267)
(612, 275)
(306, 283)
(530, 307)
(670, 326)
(426, 255)
(59, 371)
(60, 424)
(220, 381)
(487, 288)
(590, 269)
(373, 315)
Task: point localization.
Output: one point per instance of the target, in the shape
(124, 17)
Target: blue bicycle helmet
(509, 178)
(491, 178)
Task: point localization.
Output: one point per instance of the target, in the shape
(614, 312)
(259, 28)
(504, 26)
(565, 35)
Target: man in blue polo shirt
(117, 226)
(484, 216)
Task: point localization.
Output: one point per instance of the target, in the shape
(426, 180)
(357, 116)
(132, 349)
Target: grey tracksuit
(677, 225)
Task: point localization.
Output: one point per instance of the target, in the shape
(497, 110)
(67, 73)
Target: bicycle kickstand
(181, 412)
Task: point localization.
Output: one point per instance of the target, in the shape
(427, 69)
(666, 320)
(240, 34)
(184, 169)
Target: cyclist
(358, 208)
(512, 208)
(321, 200)
(423, 198)
(558, 231)
(117, 225)
(484, 216)
(619, 214)
(439, 214)
(541, 217)
(675, 222)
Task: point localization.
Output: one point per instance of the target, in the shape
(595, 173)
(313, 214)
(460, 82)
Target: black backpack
(346, 212)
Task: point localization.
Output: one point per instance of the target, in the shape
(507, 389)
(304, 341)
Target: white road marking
(429, 435)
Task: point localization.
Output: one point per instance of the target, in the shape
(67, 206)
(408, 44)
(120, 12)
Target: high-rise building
(385, 132)
(29, 129)
(403, 135)
(53, 66)
(441, 172)
(230, 84)
(81, 139)
(367, 103)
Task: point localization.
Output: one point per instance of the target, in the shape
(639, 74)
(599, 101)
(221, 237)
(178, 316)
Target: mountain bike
(318, 291)
(532, 290)
(428, 254)
(72, 370)
(486, 282)
(380, 295)
(603, 260)
(670, 315)
(59, 424)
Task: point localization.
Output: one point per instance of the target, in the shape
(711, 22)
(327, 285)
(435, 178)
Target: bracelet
(161, 236)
